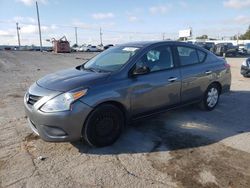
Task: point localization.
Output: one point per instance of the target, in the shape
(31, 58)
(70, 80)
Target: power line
(76, 28)
(86, 28)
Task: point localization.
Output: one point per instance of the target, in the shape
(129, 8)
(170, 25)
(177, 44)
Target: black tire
(103, 126)
(246, 76)
(213, 91)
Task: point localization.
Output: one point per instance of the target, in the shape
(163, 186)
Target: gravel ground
(182, 148)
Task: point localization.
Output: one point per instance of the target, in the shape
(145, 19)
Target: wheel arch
(218, 84)
(119, 105)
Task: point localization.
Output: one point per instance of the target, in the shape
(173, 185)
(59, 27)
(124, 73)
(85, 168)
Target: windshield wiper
(93, 69)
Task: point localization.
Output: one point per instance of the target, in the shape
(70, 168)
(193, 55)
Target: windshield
(112, 59)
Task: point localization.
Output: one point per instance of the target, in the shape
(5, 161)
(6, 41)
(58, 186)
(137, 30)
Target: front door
(160, 88)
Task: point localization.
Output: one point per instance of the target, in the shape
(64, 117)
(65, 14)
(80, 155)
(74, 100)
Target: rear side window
(201, 55)
(211, 57)
(188, 56)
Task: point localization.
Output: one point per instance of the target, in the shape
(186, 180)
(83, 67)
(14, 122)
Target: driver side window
(159, 58)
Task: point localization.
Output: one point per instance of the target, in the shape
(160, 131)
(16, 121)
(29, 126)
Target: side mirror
(141, 70)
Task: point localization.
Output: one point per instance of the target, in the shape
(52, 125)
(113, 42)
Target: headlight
(63, 101)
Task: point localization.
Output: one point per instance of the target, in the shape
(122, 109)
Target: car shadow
(183, 128)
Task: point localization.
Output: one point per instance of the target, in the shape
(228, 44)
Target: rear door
(195, 73)
(159, 88)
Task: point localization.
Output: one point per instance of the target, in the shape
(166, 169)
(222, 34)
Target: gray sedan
(96, 100)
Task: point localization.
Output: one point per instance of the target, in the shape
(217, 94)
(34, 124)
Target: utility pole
(76, 36)
(238, 38)
(101, 35)
(39, 26)
(163, 36)
(18, 35)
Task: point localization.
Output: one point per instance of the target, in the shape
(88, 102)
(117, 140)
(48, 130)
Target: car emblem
(27, 97)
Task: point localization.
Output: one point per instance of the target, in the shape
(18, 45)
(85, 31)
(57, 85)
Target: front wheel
(103, 126)
(211, 97)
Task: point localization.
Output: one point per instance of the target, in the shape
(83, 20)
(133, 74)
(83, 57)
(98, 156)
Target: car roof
(142, 44)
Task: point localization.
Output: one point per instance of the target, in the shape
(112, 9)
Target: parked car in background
(245, 68)
(81, 48)
(90, 48)
(47, 49)
(75, 48)
(227, 49)
(108, 46)
(242, 50)
(100, 47)
(207, 45)
(96, 100)
(200, 44)
(247, 48)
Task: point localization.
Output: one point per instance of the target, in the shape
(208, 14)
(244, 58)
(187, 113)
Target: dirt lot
(182, 148)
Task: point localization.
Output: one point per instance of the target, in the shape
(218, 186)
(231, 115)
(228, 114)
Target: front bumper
(245, 70)
(58, 126)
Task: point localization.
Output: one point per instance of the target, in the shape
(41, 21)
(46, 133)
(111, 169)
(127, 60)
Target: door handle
(172, 79)
(208, 72)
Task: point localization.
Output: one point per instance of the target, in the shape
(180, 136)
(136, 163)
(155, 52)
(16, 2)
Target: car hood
(69, 79)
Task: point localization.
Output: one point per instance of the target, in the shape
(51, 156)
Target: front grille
(33, 99)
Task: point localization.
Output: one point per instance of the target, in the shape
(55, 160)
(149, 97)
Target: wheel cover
(212, 97)
(105, 124)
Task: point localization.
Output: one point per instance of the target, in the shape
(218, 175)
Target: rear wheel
(103, 126)
(211, 97)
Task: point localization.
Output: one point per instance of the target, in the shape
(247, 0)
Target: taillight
(227, 65)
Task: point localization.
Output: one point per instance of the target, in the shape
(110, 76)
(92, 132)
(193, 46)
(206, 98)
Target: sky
(121, 21)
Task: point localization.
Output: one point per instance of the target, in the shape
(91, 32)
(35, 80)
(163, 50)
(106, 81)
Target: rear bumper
(58, 126)
(226, 81)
